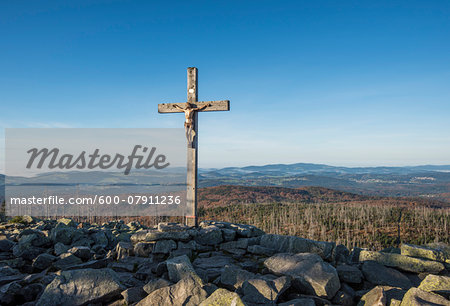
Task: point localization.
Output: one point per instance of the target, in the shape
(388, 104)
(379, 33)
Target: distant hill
(428, 181)
(220, 196)
(226, 195)
(307, 168)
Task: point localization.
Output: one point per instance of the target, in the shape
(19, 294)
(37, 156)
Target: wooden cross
(191, 110)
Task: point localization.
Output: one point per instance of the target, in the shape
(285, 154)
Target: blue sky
(337, 82)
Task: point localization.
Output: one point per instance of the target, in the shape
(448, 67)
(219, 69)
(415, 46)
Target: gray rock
(204, 248)
(191, 245)
(30, 231)
(179, 268)
(212, 262)
(66, 260)
(81, 287)
(82, 241)
(293, 244)
(422, 252)
(233, 277)
(92, 264)
(134, 225)
(28, 219)
(6, 255)
(236, 253)
(402, 262)
(152, 235)
(123, 266)
(100, 238)
(299, 302)
(346, 288)
(43, 261)
(16, 263)
(228, 234)
(78, 237)
(7, 270)
(161, 268)
(254, 240)
(139, 236)
(31, 278)
(122, 237)
(260, 250)
(384, 294)
(209, 275)
(238, 244)
(415, 296)
(156, 284)
(82, 252)
(340, 254)
(98, 249)
(172, 227)
(223, 297)
(310, 274)
(9, 292)
(128, 280)
(27, 253)
(120, 302)
(60, 248)
(343, 298)
(67, 222)
(349, 274)
(133, 295)
(376, 296)
(11, 278)
(247, 231)
(181, 252)
(392, 250)
(30, 292)
(210, 235)
(442, 247)
(219, 224)
(250, 265)
(30, 245)
(437, 284)
(62, 233)
(143, 249)
(354, 255)
(261, 291)
(6, 245)
(186, 292)
(123, 250)
(164, 246)
(378, 274)
(210, 288)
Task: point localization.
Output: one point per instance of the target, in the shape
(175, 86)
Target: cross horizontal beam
(211, 106)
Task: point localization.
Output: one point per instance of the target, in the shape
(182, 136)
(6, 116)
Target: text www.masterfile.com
(98, 199)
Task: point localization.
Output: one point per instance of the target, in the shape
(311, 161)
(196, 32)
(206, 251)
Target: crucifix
(191, 108)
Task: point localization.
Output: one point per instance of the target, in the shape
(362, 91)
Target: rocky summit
(62, 262)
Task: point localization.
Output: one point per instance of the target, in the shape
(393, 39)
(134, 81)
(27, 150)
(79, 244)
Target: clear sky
(337, 82)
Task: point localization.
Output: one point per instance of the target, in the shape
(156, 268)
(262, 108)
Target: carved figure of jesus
(189, 122)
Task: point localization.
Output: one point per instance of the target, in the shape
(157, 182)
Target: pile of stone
(49, 262)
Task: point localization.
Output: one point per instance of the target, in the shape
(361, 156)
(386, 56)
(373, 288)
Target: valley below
(319, 213)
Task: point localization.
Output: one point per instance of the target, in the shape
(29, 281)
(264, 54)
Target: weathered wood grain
(212, 106)
(192, 156)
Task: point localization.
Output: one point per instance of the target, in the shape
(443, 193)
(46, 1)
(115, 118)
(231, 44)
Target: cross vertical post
(192, 151)
(191, 108)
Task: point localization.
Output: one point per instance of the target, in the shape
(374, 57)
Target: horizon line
(290, 164)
